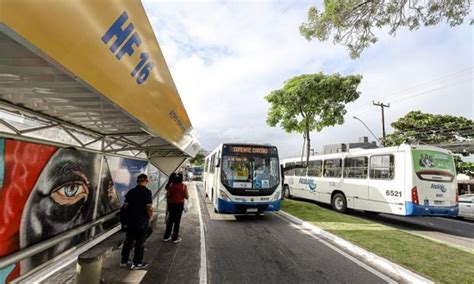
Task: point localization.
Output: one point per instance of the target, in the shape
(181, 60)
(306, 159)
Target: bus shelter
(86, 103)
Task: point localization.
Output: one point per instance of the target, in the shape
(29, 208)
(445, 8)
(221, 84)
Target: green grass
(436, 261)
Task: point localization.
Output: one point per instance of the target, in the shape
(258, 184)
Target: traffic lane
(269, 249)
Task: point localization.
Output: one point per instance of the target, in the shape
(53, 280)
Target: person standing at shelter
(167, 187)
(170, 180)
(138, 203)
(176, 195)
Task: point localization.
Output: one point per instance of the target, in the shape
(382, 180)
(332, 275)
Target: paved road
(268, 249)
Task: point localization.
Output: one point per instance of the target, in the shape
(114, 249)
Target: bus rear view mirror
(218, 162)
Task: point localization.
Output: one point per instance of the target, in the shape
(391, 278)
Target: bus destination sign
(249, 150)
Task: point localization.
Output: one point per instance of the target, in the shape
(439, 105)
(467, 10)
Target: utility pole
(382, 106)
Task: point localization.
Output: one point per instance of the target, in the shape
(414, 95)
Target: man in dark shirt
(139, 211)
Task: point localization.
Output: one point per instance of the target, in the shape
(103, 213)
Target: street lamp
(355, 117)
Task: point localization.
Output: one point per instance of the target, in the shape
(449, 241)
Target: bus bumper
(246, 207)
(420, 210)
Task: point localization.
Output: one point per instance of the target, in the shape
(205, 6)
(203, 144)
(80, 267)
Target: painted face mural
(46, 191)
(61, 199)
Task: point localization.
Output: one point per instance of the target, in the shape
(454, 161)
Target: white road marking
(203, 266)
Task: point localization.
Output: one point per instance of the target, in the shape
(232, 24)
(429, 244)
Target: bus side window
(314, 168)
(333, 168)
(290, 172)
(355, 167)
(382, 167)
(211, 166)
(300, 171)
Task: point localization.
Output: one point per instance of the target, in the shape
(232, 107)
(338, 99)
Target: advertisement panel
(46, 190)
(433, 165)
(426, 159)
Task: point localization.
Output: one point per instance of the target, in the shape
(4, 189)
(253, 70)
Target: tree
(350, 22)
(198, 160)
(312, 102)
(462, 167)
(425, 128)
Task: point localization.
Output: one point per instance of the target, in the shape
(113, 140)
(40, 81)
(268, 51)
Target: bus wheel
(339, 203)
(286, 192)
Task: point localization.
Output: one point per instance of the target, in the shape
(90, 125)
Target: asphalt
(237, 249)
(269, 249)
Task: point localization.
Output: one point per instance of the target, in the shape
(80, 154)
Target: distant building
(345, 147)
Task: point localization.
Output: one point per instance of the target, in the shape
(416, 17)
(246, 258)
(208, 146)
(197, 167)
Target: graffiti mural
(46, 190)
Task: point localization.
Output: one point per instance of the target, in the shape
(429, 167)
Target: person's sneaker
(166, 240)
(139, 266)
(177, 240)
(125, 264)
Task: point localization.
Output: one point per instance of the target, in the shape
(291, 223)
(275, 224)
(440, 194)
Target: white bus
(243, 178)
(404, 180)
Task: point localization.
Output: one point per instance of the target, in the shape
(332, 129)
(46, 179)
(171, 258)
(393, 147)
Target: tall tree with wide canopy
(426, 128)
(312, 102)
(351, 22)
(455, 133)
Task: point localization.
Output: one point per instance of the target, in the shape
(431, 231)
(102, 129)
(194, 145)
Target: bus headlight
(277, 195)
(224, 195)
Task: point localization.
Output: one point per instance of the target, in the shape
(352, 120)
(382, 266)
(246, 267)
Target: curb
(383, 265)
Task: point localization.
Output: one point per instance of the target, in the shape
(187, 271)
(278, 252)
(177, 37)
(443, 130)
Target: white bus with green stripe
(404, 180)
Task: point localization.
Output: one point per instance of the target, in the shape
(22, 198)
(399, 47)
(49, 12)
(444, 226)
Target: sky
(226, 56)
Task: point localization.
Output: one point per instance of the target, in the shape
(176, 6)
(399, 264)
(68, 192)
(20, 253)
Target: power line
(439, 79)
(429, 91)
(407, 91)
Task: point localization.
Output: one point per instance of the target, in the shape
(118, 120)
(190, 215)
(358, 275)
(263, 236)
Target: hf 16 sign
(125, 43)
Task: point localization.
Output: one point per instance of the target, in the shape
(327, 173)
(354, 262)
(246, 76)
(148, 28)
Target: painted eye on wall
(70, 193)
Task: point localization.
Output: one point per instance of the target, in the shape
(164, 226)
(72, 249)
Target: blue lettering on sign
(438, 186)
(121, 34)
(311, 184)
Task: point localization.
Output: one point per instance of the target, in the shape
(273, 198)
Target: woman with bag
(167, 187)
(177, 193)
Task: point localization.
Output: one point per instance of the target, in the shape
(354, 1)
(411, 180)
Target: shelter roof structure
(93, 76)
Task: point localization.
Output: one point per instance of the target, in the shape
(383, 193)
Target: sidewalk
(168, 262)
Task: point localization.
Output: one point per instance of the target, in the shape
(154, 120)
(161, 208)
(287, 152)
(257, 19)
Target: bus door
(386, 183)
(434, 178)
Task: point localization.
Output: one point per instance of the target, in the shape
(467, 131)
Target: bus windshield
(250, 172)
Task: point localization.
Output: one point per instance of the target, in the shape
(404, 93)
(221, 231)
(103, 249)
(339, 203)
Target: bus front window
(250, 172)
(265, 173)
(236, 171)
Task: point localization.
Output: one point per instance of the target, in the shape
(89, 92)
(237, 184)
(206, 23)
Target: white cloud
(226, 56)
